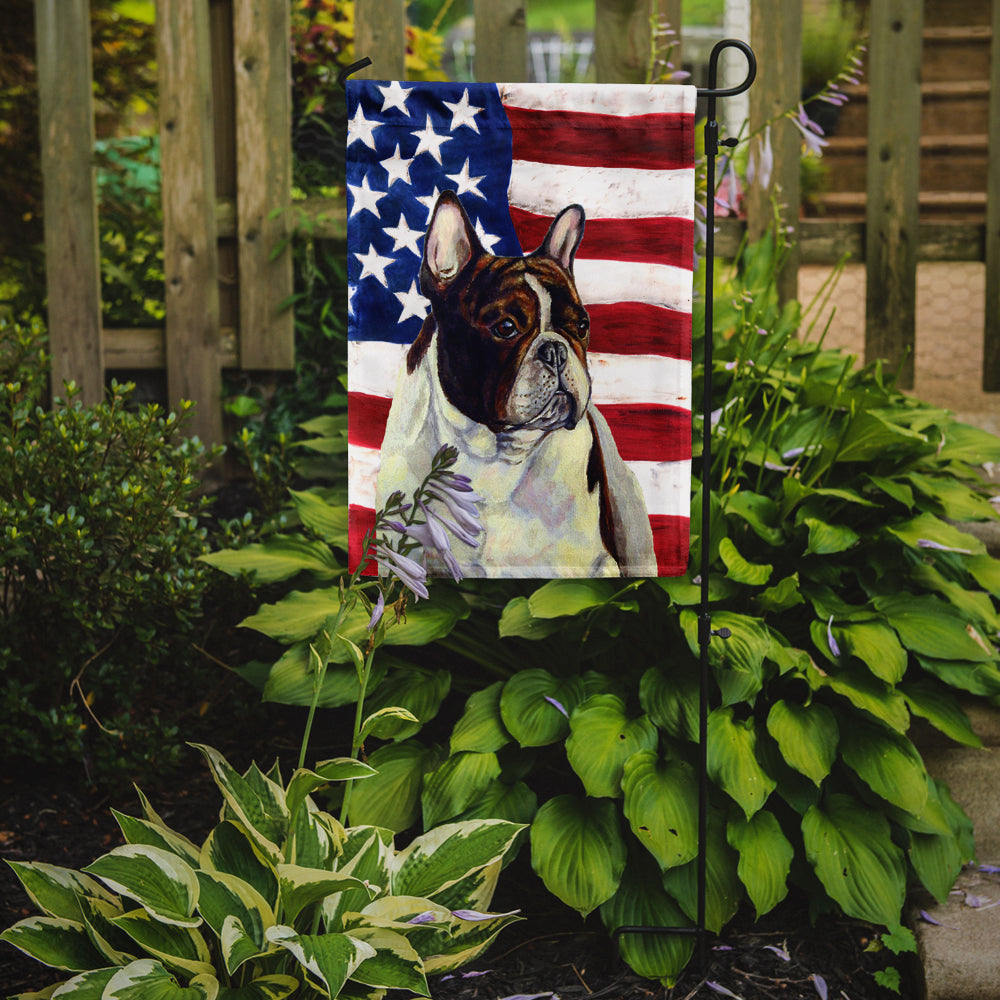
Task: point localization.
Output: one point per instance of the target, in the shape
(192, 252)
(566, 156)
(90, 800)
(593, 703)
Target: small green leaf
(739, 569)
(783, 595)
(936, 704)
(828, 539)
(481, 727)
(888, 763)
(732, 760)
(671, 700)
(807, 736)
(517, 620)
(279, 558)
(932, 628)
(765, 858)
(535, 706)
(417, 690)
(327, 520)
(928, 528)
(559, 598)
(391, 798)
(383, 723)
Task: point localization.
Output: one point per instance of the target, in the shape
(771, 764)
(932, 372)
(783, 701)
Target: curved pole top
(713, 69)
(352, 68)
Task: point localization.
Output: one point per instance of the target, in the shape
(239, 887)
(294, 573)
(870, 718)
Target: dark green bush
(100, 587)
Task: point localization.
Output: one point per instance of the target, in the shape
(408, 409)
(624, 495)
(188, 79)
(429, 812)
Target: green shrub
(280, 899)
(99, 541)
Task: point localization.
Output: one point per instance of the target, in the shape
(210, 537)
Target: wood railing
(226, 159)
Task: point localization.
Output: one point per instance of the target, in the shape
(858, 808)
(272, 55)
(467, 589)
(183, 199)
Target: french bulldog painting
(499, 370)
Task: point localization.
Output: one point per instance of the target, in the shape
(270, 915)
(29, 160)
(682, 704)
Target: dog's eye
(505, 329)
(583, 327)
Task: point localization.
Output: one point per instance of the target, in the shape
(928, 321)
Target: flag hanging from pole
(520, 281)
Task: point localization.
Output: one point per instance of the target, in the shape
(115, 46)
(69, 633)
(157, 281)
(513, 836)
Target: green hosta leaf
(517, 620)
(456, 784)
(783, 595)
(159, 881)
(481, 728)
(141, 831)
(528, 710)
(395, 964)
(738, 661)
(98, 916)
(732, 760)
(515, 803)
(751, 574)
(986, 571)
(807, 736)
(225, 897)
(147, 979)
(869, 436)
(56, 891)
(976, 678)
(438, 859)
(758, 511)
(417, 690)
(641, 901)
(941, 709)
(385, 723)
(304, 782)
(87, 986)
(893, 488)
(661, 799)
(957, 501)
(974, 604)
(578, 851)
(327, 520)
(765, 858)
(180, 948)
(54, 941)
(965, 443)
(937, 859)
(850, 848)
(827, 539)
(671, 700)
(260, 809)
(723, 889)
(330, 959)
(275, 987)
(230, 849)
(301, 887)
(279, 558)
(238, 944)
(888, 763)
(559, 598)
(292, 680)
(602, 738)
(928, 528)
(932, 628)
(876, 646)
(865, 692)
(391, 798)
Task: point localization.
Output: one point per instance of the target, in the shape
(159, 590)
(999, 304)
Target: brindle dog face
(512, 332)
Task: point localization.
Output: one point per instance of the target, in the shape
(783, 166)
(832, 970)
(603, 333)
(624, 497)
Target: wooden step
(956, 53)
(957, 206)
(940, 13)
(944, 104)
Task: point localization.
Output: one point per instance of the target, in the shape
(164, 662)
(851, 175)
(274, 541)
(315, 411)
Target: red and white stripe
(626, 154)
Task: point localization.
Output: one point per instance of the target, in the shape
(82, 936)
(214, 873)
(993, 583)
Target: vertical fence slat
(380, 34)
(190, 253)
(501, 40)
(261, 56)
(991, 333)
(72, 257)
(776, 34)
(621, 40)
(893, 183)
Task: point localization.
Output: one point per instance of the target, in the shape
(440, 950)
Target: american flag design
(515, 155)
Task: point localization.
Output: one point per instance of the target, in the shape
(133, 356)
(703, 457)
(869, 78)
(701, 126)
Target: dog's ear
(564, 236)
(450, 244)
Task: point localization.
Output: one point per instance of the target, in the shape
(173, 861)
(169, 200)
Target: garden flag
(520, 280)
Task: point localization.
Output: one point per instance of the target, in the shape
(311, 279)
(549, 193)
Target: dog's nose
(552, 354)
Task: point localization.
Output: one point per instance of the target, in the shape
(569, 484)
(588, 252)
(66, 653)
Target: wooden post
(190, 254)
(380, 34)
(893, 183)
(262, 60)
(72, 256)
(622, 40)
(501, 41)
(776, 34)
(991, 333)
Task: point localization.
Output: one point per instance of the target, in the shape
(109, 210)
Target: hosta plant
(279, 900)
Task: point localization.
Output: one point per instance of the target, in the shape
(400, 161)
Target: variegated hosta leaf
(177, 947)
(642, 902)
(304, 782)
(765, 858)
(225, 897)
(476, 890)
(274, 987)
(256, 801)
(56, 891)
(86, 986)
(158, 880)
(467, 940)
(367, 853)
(230, 849)
(481, 727)
(147, 979)
(602, 737)
(578, 851)
(238, 945)
(315, 839)
(329, 959)
(850, 847)
(441, 857)
(535, 706)
(661, 799)
(54, 941)
(456, 784)
(732, 760)
(116, 946)
(300, 887)
(807, 736)
(141, 831)
(395, 964)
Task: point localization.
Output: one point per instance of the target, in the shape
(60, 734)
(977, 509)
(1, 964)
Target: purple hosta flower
(780, 952)
(531, 996)
(460, 532)
(761, 163)
(475, 915)
(990, 869)
(377, 611)
(820, 983)
(433, 538)
(719, 988)
(727, 198)
(811, 132)
(927, 918)
(461, 504)
(558, 705)
(834, 648)
(427, 917)
(408, 570)
(465, 975)
(927, 543)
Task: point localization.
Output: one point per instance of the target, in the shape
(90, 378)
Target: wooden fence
(226, 160)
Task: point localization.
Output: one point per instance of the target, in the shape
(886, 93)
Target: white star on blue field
(406, 143)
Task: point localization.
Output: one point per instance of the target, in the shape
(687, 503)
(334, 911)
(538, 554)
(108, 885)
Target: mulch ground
(551, 952)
